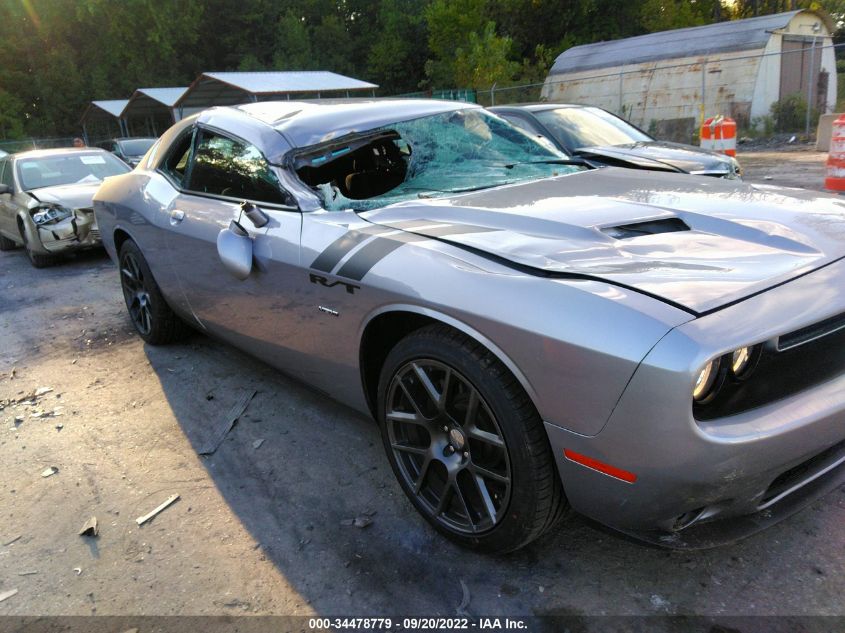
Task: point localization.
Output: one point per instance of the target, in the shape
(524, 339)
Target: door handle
(176, 216)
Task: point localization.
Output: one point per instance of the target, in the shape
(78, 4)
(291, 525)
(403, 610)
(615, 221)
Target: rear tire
(466, 443)
(6, 244)
(153, 319)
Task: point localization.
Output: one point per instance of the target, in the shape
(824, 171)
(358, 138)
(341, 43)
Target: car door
(254, 313)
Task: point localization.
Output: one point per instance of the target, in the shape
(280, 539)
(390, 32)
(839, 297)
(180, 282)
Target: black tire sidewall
(514, 528)
(163, 320)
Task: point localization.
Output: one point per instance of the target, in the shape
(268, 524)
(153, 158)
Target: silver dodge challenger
(45, 200)
(663, 353)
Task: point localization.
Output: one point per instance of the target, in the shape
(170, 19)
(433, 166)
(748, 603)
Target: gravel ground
(791, 168)
(259, 526)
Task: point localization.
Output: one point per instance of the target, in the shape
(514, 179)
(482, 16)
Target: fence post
(620, 111)
(493, 93)
(810, 86)
(703, 89)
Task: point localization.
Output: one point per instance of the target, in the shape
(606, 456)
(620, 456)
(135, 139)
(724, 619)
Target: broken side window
(425, 157)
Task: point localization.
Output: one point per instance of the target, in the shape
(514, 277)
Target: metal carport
(101, 118)
(231, 88)
(150, 111)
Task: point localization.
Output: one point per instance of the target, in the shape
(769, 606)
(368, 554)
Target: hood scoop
(649, 227)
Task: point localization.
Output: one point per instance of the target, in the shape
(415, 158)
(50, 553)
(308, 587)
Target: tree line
(57, 55)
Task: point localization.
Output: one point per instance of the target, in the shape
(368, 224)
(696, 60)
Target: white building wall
(767, 85)
(664, 90)
(743, 84)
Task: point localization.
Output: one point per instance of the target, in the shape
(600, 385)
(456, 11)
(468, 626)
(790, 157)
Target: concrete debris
(225, 424)
(42, 391)
(49, 472)
(359, 521)
(143, 519)
(257, 444)
(90, 528)
(7, 594)
(659, 602)
(465, 598)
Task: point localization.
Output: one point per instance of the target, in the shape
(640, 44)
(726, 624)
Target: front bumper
(75, 232)
(700, 483)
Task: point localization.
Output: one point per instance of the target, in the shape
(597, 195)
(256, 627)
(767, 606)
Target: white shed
(669, 81)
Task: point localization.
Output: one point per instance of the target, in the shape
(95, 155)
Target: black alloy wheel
(448, 445)
(466, 443)
(152, 317)
(136, 294)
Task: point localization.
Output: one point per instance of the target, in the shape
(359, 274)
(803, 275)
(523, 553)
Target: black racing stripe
(372, 253)
(334, 252)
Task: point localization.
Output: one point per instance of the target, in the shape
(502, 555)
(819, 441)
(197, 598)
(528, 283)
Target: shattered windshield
(464, 150)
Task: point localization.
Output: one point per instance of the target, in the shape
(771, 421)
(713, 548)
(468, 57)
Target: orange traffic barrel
(718, 133)
(835, 170)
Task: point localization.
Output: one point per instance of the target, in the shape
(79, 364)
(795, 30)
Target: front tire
(153, 319)
(38, 260)
(466, 443)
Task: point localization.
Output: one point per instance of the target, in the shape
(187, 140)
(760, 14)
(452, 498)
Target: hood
(77, 196)
(695, 242)
(663, 155)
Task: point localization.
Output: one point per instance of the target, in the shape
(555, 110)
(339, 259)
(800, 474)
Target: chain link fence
(765, 92)
(23, 145)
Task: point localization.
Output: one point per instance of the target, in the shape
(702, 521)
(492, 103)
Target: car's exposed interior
(441, 154)
(361, 169)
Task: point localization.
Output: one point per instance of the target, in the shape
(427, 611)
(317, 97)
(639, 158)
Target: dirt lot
(259, 529)
(787, 168)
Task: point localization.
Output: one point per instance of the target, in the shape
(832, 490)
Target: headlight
(743, 361)
(739, 360)
(50, 214)
(706, 380)
(736, 170)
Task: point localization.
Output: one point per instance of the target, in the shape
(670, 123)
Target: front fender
(461, 326)
(28, 228)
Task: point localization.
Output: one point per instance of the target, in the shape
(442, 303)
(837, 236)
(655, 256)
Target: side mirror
(235, 250)
(5, 189)
(255, 215)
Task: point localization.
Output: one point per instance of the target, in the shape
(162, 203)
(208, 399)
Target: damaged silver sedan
(45, 200)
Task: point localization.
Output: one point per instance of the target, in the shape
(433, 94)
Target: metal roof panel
(113, 106)
(290, 81)
(733, 35)
(165, 96)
